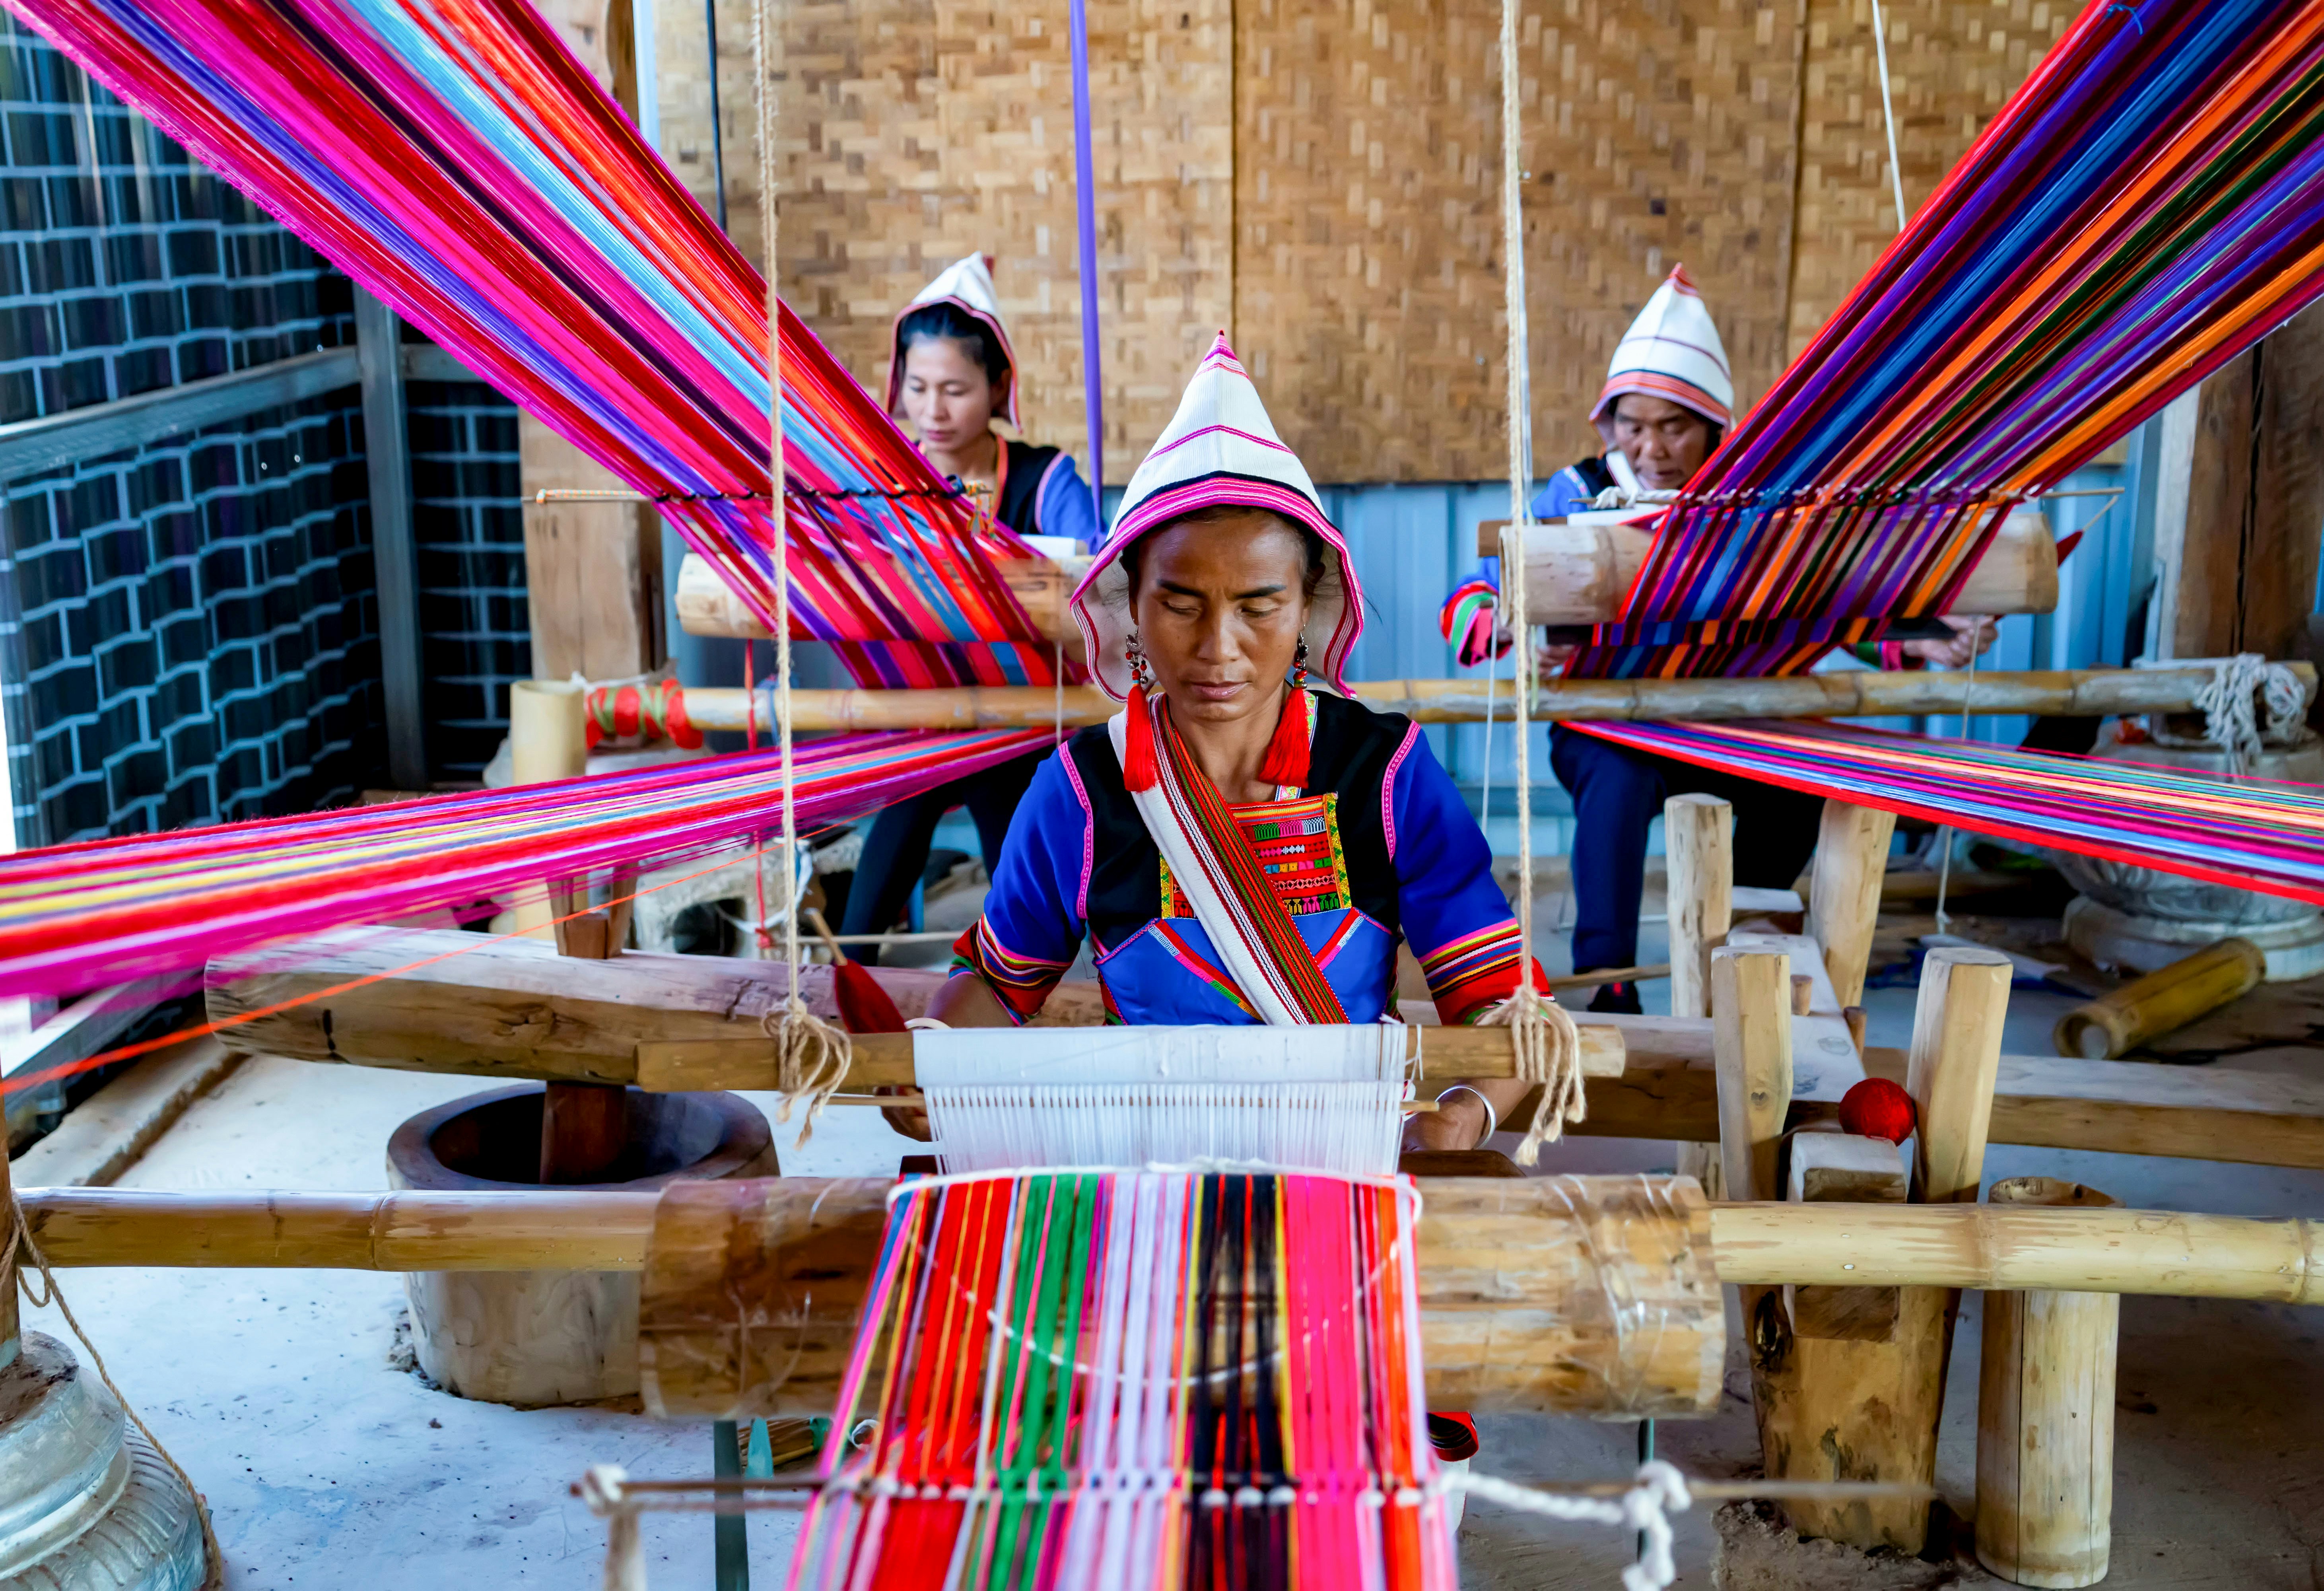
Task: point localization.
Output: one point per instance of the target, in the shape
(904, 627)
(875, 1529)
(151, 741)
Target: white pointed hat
(1673, 352)
(1220, 448)
(966, 283)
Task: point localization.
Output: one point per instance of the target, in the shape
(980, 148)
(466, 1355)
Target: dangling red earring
(1138, 771)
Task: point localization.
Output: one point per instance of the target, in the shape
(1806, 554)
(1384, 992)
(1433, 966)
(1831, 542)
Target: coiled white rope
(2240, 686)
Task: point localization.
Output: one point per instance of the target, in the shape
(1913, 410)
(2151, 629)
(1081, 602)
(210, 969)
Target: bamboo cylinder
(1569, 1295)
(2163, 1002)
(2046, 1418)
(548, 740)
(2080, 692)
(1979, 1245)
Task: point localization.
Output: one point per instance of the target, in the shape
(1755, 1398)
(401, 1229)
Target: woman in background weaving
(953, 373)
(1239, 844)
(1667, 402)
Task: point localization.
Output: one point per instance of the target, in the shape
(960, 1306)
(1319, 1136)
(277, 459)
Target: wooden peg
(1699, 852)
(1852, 860)
(1751, 1043)
(2046, 1418)
(1802, 993)
(1951, 1069)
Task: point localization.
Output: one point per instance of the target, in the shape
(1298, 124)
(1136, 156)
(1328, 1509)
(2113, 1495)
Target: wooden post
(1699, 888)
(1839, 1168)
(2163, 1002)
(1851, 859)
(1949, 1071)
(2046, 1418)
(548, 740)
(1751, 1040)
(1699, 848)
(1865, 1409)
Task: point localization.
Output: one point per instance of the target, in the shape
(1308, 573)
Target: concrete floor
(327, 1466)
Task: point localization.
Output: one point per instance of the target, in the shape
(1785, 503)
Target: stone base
(534, 1338)
(86, 1503)
(2133, 942)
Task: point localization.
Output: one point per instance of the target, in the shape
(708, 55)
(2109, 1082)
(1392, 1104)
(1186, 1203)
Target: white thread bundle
(1351, 1127)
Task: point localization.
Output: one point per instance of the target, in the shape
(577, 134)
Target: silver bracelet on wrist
(1492, 1117)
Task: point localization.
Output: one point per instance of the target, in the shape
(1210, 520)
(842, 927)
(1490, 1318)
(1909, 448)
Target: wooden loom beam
(1852, 693)
(515, 1011)
(1578, 573)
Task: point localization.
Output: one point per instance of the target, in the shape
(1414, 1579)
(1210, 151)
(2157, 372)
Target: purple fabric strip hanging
(1085, 208)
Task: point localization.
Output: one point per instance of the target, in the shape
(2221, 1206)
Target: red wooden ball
(1876, 1108)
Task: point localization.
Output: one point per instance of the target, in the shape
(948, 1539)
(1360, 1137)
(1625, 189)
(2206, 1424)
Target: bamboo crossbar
(1855, 693)
(1981, 1246)
(885, 1060)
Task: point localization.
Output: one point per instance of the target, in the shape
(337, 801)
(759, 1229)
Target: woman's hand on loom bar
(1457, 1122)
(1971, 637)
(1549, 659)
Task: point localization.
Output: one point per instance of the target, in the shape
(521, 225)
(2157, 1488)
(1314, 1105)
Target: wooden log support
(1853, 1409)
(2046, 1418)
(1570, 1295)
(1854, 693)
(547, 740)
(1851, 859)
(1578, 570)
(2163, 1002)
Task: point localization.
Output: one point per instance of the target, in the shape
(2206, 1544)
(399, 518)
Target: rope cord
(20, 1240)
(811, 1055)
(2230, 707)
(1888, 113)
(1548, 1050)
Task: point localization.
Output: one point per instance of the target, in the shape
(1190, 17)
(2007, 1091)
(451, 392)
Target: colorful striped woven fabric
(2247, 833)
(1154, 1396)
(454, 158)
(2148, 205)
(76, 917)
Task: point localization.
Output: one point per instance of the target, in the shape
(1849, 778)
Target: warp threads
(1121, 1380)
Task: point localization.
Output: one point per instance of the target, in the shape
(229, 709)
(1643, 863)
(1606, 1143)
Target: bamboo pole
(2045, 1418)
(1972, 1246)
(1851, 861)
(1856, 693)
(2163, 1002)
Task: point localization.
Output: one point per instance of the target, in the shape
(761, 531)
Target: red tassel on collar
(1138, 769)
(1285, 762)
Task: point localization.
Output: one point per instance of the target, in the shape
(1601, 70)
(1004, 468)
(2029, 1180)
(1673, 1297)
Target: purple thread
(1085, 211)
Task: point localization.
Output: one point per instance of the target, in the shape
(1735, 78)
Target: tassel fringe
(1549, 1053)
(1285, 762)
(1138, 769)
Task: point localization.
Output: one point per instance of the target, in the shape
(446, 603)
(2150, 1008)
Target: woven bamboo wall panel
(911, 134)
(1367, 277)
(1952, 64)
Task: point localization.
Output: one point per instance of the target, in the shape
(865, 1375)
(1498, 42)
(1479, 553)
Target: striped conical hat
(1220, 448)
(968, 284)
(1672, 351)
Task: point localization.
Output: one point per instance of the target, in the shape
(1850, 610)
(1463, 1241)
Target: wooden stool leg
(1699, 850)
(2045, 1420)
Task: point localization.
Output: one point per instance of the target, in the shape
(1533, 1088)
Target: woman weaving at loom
(953, 372)
(1667, 401)
(1239, 846)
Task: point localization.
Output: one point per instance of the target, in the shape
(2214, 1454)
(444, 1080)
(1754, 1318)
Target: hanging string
(811, 1055)
(1548, 1048)
(1945, 832)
